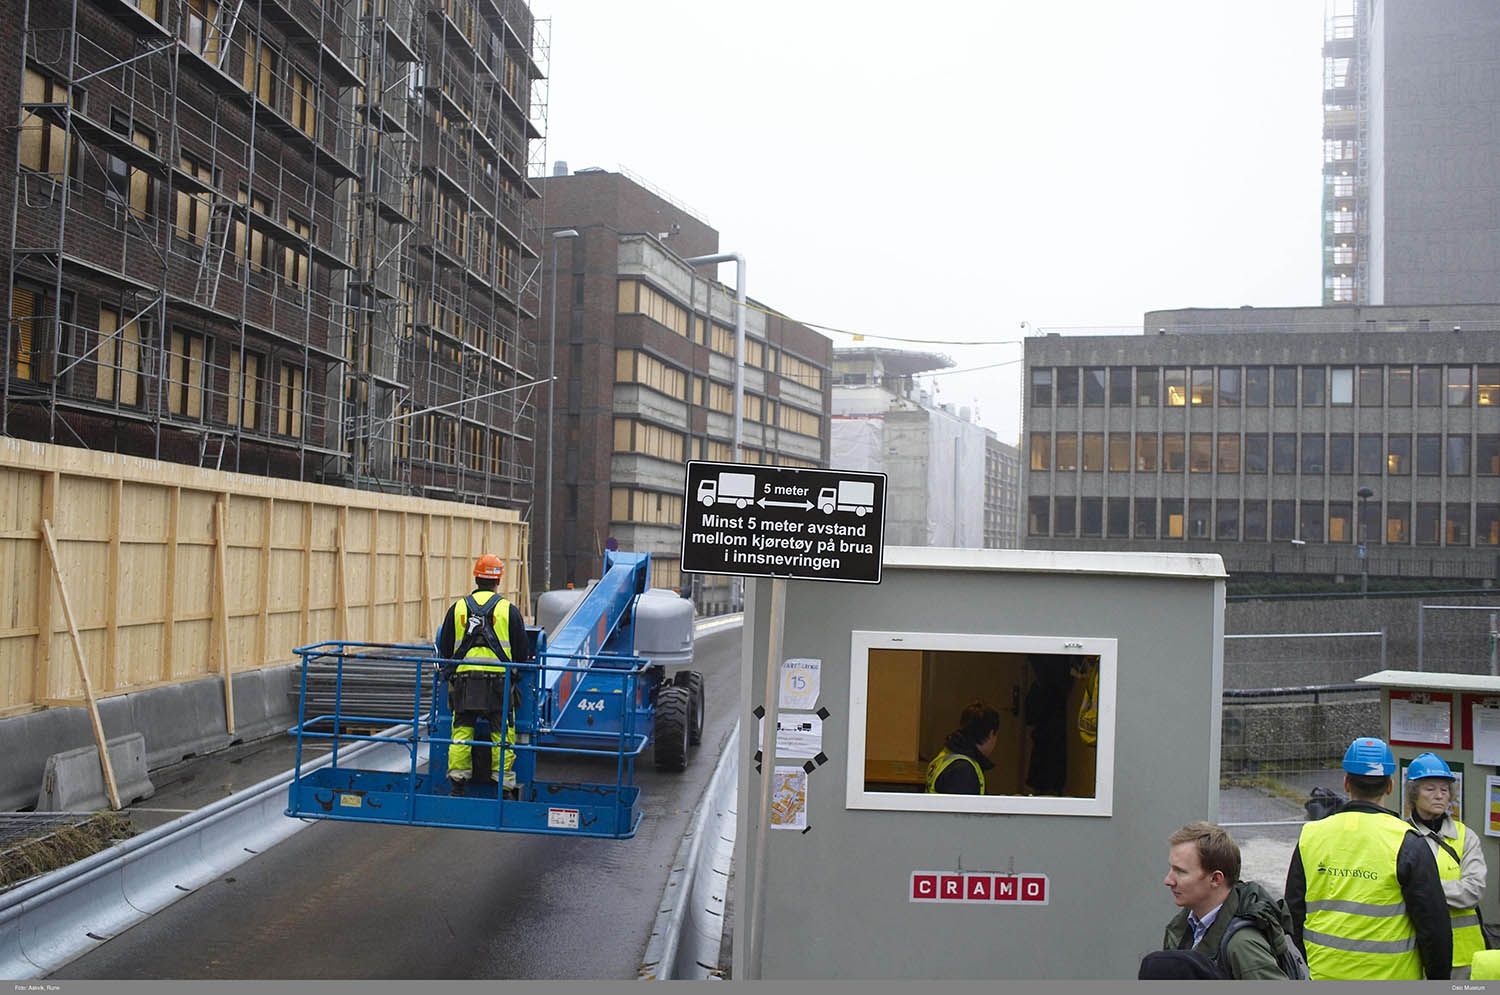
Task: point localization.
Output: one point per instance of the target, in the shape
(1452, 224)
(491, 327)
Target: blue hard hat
(1369, 757)
(1429, 765)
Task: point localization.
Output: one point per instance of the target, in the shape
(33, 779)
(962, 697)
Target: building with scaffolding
(646, 374)
(1411, 209)
(281, 237)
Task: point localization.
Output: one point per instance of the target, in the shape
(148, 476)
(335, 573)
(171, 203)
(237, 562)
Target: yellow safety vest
(941, 763)
(1356, 926)
(1468, 938)
(501, 618)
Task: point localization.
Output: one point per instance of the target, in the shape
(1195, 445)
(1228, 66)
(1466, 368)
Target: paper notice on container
(1425, 722)
(1486, 736)
(798, 735)
(789, 798)
(801, 680)
(1492, 805)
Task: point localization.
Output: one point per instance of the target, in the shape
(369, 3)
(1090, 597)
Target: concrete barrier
(74, 782)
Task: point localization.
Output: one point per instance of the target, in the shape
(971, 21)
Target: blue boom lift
(598, 690)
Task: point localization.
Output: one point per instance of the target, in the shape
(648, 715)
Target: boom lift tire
(671, 728)
(693, 681)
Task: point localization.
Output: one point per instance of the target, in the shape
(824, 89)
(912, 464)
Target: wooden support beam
(402, 608)
(426, 610)
(112, 588)
(263, 626)
(340, 579)
(307, 556)
(221, 608)
(83, 670)
(372, 575)
(169, 592)
(41, 673)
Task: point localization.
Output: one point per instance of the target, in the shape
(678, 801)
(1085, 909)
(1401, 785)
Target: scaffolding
(225, 249)
(1346, 142)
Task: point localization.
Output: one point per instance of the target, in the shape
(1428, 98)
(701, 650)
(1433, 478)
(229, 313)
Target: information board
(750, 520)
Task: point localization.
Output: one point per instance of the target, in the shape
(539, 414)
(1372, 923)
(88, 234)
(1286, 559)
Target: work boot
(457, 779)
(510, 780)
(511, 794)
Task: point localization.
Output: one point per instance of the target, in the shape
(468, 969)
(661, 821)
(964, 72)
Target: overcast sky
(948, 170)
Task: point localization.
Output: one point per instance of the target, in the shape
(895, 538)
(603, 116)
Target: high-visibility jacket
(1356, 925)
(481, 631)
(941, 762)
(1468, 938)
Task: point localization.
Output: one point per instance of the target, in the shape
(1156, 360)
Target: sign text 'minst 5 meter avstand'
(769, 521)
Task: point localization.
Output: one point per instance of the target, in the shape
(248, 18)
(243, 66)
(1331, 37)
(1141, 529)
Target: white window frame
(863, 641)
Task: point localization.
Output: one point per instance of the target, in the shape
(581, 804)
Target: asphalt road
(348, 901)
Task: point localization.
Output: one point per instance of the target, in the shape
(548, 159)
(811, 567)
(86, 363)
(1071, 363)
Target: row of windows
(1259, 452)
(444, 440)
(1227, 520)
(1460, 386)
(633, 436)
(627, 504)
(633, 366)
(465, 235)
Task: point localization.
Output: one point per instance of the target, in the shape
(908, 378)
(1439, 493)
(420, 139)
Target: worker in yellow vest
(1429, 796)
(1363, 889)
(482, 632)
(958, 768)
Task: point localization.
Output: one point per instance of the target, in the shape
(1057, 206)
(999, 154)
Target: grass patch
(60, 847)
(1266, 784)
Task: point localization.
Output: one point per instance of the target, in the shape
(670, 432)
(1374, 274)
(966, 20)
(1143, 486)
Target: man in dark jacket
(1204, 878)
(959, 767)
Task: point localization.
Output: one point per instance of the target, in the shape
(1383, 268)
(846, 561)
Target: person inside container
(959, 767)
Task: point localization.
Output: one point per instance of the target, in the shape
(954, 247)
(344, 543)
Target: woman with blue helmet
(1429, 796)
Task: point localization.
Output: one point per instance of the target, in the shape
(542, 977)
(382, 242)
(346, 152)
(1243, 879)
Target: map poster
(789, 798)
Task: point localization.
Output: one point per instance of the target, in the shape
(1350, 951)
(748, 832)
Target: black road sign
(771, 521)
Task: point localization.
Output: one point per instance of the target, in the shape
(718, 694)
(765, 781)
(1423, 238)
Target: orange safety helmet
(488, 567)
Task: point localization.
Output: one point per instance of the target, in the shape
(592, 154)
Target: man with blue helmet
(1363, 889)
(1429, 793)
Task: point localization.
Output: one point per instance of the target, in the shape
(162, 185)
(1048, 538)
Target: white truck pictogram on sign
(857, 496)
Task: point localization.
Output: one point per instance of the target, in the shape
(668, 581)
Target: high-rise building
(289, 237)
(1411, 196)
(643, 343)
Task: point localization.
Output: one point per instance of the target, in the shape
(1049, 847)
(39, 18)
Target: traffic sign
(750, 520)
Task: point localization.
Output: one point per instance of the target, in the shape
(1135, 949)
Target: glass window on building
(1091, 517)
(1398, 524)
(1119, 386)
(1312, 521)
(1286, 386)
(1313, 383)
(1456, 456)
(1341, 454)
(1460, 380)
(1487, 388)
(1229, 454)
(1398, 385)
(1066, 452)
(1176, 387)
(1199, 524)
(1171, 519)
(1171, 452)
(1429, 455)
(1227, 521)
(1340, 521)
(1067, 386)
(1229, 386)
(1429, 386)
(1284, 452)
(1428, 529)
(1145, 454)
(1255, 452)
(1312, 454)
(1093, 387)
(1147, 380)
(1118, 513)
(1145, 518)
(1119, 452)
(1038, 520)
(1370, 455)
(1398, 455)
(1487, 524)
(1341, 385)
(1201, 452)
(1203, 387)
(1371, 382)
(1487, 456)
(1041, 450)
(1064, 521)
(1255, 521)
(1093, 451)
(1257, 386)
(1455, 524)
(1041, 387)
(1283, 520)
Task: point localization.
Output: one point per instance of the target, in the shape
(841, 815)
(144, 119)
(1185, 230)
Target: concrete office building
(1411, 196)
(645, 360)
(283, 238)
(950, 481)
(1254, 433)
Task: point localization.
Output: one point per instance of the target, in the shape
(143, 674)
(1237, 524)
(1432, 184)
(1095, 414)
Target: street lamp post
(551, 410)
(1364, 494)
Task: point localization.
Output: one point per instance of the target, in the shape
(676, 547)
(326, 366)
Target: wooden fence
(165, 573)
